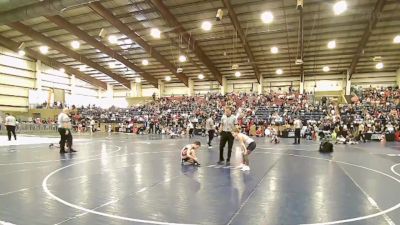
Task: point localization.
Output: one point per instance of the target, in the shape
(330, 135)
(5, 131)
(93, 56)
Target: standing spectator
(210, 127)
(297, 128)
(228, 122)
(10, 126)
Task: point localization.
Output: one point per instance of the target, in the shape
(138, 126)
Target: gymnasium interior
(206, 112)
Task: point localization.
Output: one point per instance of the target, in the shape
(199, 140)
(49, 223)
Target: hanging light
(21, 52)
(75, 44)
(274, 50)
(238, 74)
(155, 33)
(379, 66)
(206, 25)
(201, 76)
(111, 65)
(267, 17)
(138, 80)
(168, 78)
(182, 58)
(128, 41)
(332, 44)
(396, 39)
(145, 62)
(113, 39)
(279, 71)
(326, 69)
(44, 49)
(340, 7)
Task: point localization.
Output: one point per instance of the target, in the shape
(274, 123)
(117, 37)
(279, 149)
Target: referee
(297, 128)
(228, 122)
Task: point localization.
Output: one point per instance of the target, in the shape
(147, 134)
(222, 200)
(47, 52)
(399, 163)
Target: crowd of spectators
(372, 111)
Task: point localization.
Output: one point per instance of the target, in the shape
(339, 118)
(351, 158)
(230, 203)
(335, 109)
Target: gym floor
(126, 179)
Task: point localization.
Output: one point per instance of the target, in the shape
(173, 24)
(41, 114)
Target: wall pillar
(301, 87)
(161, 87)
(38, 75)
(398, 78)
(73, 85)
(139, 89)
(110, 91)
(348, 83)
(133, 90)
(260, 86)
(99, 93)
(191, 87)
(224, 86)
(136, 89)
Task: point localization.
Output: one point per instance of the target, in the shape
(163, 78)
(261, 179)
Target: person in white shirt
(10, 126)
(297, 128)
(247, 144)
(210, 127)
(190, 126)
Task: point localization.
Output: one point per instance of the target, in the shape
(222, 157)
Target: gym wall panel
(204, 87)
(14, 101)
(175, 89)
(148, 90)
(121, 93)
(17, 72)
(13, 80)
(13, 90)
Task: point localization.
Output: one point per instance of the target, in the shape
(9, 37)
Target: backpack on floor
(326, 147)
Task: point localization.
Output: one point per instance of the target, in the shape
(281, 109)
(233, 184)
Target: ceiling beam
(188, 39)
(13, 46)
(367, 33)
(113, 20)
(66, 51)
(41, 8)
(242, 36)
(64, 24)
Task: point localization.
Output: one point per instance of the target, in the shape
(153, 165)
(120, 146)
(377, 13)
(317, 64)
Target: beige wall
(18, 76)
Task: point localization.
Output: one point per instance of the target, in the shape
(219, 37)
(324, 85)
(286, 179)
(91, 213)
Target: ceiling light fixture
(182, 58)
(326, 69)
(396, 39)
(111, 65)
(274, 50)
(340, 7)
(128, 41)
(206, 25)
(168, 78)
(155, 33)
(201, 76)
(267, 17)
(145, 62)
(138, 80)
(44, 49)
(75, 44)
(332, 44)
(113, 39)
(238, 74)
(279, 71)
(379, 66)
(21, 52)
